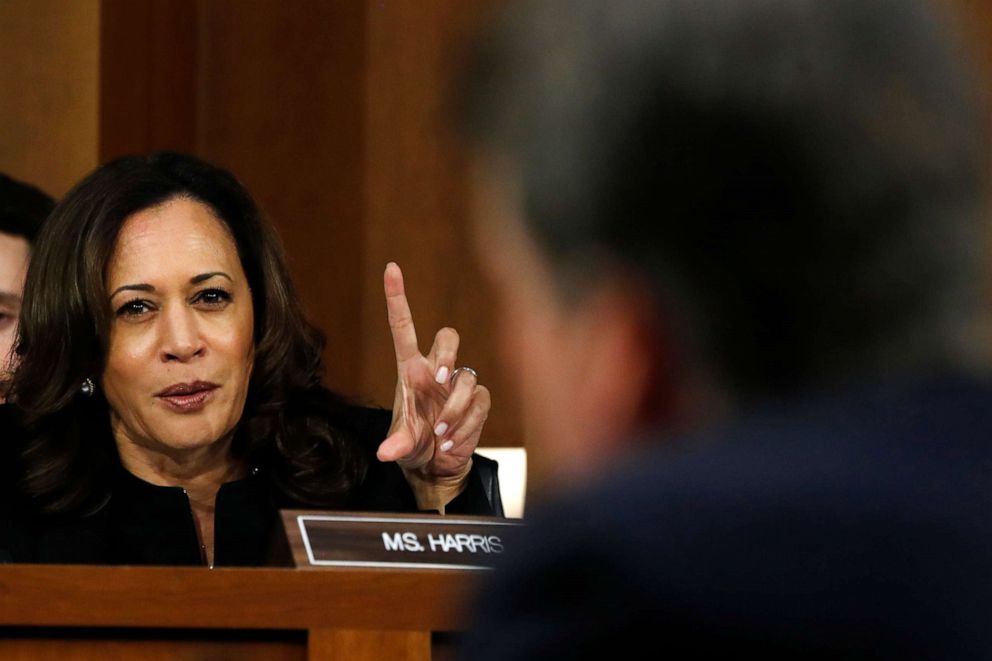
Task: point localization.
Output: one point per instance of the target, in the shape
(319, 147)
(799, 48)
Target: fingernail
(441, 428)
(442, 375)
(446, 446)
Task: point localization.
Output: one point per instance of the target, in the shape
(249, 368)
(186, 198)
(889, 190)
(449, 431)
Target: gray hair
(802, 179)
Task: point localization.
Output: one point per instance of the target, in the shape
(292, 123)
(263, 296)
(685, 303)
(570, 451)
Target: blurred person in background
(738, 252)
(22, 210)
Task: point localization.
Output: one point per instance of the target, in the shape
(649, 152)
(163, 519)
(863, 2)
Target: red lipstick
(187, 397)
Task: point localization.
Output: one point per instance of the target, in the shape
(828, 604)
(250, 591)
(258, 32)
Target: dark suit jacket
(148, 524)
(853, 526)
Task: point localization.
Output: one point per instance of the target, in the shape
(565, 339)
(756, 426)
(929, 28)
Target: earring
(88, 387)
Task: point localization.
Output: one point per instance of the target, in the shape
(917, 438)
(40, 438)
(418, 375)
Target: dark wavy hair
(68, 457)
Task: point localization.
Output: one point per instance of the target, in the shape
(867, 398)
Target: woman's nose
(181, 337)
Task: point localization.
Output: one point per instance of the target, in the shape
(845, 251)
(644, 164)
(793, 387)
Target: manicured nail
(446, 446)
(442, 375)
(441, 428)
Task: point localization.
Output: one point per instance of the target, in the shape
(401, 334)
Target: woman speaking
(169, 386)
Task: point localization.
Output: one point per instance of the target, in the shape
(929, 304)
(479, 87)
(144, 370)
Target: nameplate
(362, 539)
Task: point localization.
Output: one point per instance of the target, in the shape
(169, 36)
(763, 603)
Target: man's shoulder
(856, 518)
(867, 446)
(864, 470)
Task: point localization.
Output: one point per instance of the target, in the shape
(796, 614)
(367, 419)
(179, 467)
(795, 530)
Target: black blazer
(854, 526)
(148, 524)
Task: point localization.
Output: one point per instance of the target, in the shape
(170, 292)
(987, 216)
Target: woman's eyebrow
(197, 279)
(138, 287)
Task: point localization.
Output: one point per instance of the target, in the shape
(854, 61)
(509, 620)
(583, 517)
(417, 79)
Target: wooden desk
(84, 612)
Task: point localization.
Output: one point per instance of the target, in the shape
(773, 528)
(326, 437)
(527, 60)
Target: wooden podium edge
(245, 598)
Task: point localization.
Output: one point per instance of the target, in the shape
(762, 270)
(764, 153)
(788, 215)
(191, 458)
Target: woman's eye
(213, 298)
(134, 308)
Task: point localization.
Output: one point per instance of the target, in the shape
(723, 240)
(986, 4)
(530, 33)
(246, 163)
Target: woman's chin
(190, 437)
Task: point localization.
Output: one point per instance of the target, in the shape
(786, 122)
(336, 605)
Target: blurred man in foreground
(22, 210)
(737, 246)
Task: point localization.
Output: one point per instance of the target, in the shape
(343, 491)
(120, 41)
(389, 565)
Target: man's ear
(623, 382)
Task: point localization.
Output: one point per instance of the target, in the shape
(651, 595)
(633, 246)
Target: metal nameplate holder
(366, 539)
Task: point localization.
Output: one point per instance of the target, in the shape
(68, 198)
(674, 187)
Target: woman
(170, 390)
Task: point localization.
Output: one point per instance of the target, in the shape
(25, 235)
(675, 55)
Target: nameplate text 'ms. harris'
(364, 539)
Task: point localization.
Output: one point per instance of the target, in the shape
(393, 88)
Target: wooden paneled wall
(280, 102)
(416, 194)
(147, 76)
(48, 90)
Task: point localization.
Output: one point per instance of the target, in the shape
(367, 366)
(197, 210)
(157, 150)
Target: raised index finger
(398, 310)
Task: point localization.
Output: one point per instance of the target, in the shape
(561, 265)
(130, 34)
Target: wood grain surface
(180, 597)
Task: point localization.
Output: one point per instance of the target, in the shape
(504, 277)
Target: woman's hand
(439, 410)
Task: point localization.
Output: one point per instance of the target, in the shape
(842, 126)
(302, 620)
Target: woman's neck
(199, 471)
